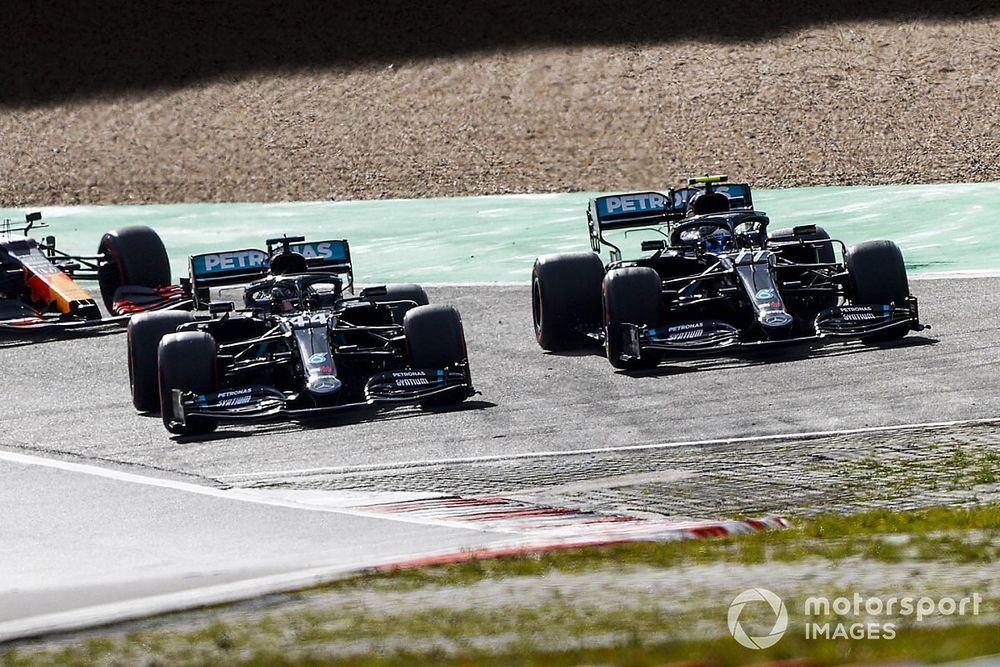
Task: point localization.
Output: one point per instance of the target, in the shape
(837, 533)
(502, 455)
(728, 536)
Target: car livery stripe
(56, 289)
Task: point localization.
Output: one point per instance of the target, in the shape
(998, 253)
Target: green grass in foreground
(634, 633)
(931, 645)
(960, 535)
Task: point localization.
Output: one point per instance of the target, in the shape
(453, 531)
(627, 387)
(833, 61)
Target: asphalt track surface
(74, 539)
(71, 399)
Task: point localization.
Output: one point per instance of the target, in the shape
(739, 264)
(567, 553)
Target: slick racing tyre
(144, 333)
(565, 295)
(133, 256)
(403, 292)
(878, 276)
(187, 361)
(631, 296)
(435, 338)
(819, 254)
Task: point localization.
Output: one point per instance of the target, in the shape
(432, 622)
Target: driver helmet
(284, 263)
(283, 299)
(707, 201)
(718, 240)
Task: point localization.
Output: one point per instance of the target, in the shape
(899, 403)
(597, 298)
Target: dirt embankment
(855, 102)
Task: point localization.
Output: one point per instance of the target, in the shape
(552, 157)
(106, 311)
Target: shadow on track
(95, 47)
(22, 339)
(781, 356)
(716, 362)
(371, 415)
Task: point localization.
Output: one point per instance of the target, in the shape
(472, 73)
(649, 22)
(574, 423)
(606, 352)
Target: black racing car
(301, 344)
(714, 279)
(38, 289)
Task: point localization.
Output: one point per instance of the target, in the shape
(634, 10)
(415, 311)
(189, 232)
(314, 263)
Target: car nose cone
(775, 319)
(323, 384)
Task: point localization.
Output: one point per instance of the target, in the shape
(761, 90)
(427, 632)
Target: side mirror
(655, 244)
(220, 307)
(371, 292)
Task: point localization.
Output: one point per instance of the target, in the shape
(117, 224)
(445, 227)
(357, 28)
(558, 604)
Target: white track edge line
(805, 435)
(240, 495)
(126, 610)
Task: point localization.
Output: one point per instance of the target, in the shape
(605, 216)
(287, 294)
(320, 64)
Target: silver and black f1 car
(301, 344)
(715, 279)
(38, 292)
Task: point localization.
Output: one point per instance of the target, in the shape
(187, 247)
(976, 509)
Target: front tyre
(144, 333)
(631, 296)
(878, 276)
(435, 338)
(187, 361)
(565, 296)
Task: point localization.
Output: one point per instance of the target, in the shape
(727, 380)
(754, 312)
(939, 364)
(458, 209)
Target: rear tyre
(134, 256)
(144, 333)
(633, 296)
(403, 292)
(435, 338)
(565, 295)
(820, 254)
(187, 361)
(878, 276)
(807, 307)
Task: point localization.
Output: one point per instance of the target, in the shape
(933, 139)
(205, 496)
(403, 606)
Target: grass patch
(953, 467)
(940, 533)
(630, 645)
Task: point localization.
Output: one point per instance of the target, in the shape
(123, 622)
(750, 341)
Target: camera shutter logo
(780, 622)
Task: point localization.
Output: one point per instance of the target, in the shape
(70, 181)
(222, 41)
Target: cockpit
(300, 292)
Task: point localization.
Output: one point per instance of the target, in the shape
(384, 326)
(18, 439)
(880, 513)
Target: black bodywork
(301, 346)
(754, 291)
(757, 294)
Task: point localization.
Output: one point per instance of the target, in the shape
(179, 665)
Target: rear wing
(631, 210)
(646, 209)
(636, 209)
(232, 267)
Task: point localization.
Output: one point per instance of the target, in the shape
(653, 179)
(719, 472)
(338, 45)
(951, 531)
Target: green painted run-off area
(941, 228)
